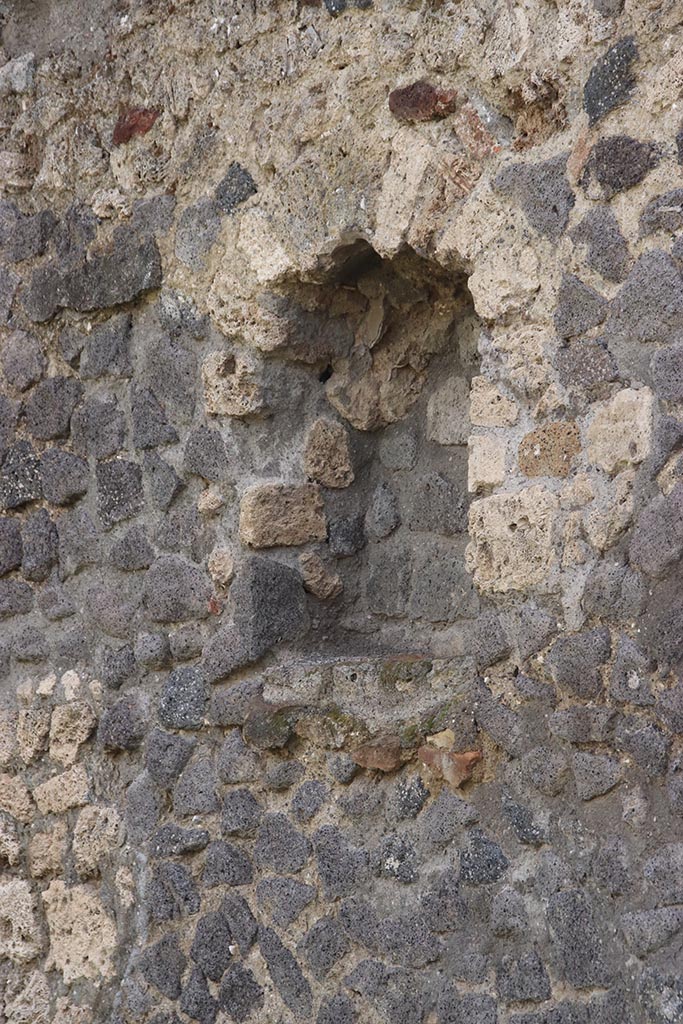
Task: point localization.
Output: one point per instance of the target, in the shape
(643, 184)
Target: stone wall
(341, 487)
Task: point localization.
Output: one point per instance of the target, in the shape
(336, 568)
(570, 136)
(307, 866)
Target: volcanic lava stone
(163, 481)
(611, 80)
(172, 892)
(543, 192)
(241, 921)
(524, 979)
(20, 477)
(183, 699)
(197, 230)
(342, 767)
(575, 661)
(308, 800)
(166, 756)
(235, 761)
(525, 828)
(608, 251)
(578, 945)
(620, 162)
(122, 726)
(211, 945)
(176, 589)
(142, 808)
(242, 813)
(119, 490)
(443, 904)
(117, 666)
(195, 790)
(324, 945)
(150, 425)
(508, 913)
(647, 745)
(16, 598)
(341, 866)
(29, 644)
(396, 858)
(663, 213)
(23, 361)
(174, 841)
(286, 974)
(49, 407)
(99, 427)
(10, 545)
(133, 551)
(65, 476)
(226, 864)
(205, 454)
(40, 544)
(197, 1001)
(337, 1009)
(283, 898)
(152, 650)
(163, 965)
(445, 818)
(483, 861)
(649, 305)
(240, 994)
(280, 846)
(235, 188)
(578, 307)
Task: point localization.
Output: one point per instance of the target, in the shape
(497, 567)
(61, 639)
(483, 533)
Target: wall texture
(341, 493)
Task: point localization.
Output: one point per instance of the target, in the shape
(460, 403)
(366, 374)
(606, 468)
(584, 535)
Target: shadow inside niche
(392, 346)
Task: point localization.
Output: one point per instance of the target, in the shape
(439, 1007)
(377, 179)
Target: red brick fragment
(382, 754)
(454, 768)
(134, 121)
(421, 102)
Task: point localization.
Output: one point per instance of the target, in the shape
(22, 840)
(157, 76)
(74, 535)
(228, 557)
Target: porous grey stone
(279, 846)
(205, 454)
(336, 1010)
(579, 946)
(309, 798)
(132, 551)
(667, 373)
(543, 192)
(40, 546)
(619, 162)
(482, 861)
(575, 661)
(49, 407)
(172, 892)
(196, 999)
(210, 948)
(119, 490)
(436, 505)
(445, 818)
(123, 725)
(22, 359)
(607, 249)
(142, 808)
(630, 680)
(283, 775)
(235, 188)
(240, 993)
(176, 589)
(163, 965)
(236, 762)
(664, 873)
(595, 774)
(226, 864)
(283, 899)
(242, 813)
(166, 756)
(241, 921)
(183, 699)
(286, 974)
(341, 866)
(579, 307)
(16, 598)
(346, 535)
(174, 841)
(323, 945)
(383, 516)
(10, 545)
(150, 424)
(117, 666)
(524, 979)
(65, 476)
(508, 913)
(546, 769)
(197, 230)
(649, 305)
(163, 481)
(195, 790)
(20, 477)
(647, 745)
(663, 213)
(648, 930)
(99, 427)
(611, 80)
